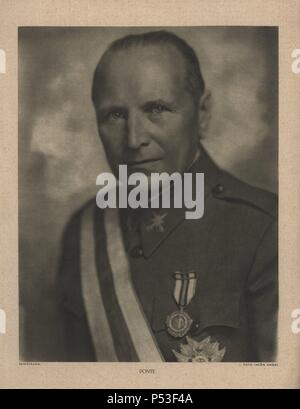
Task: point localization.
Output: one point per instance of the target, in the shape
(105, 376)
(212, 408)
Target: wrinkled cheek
(113, 145)
(178, 152)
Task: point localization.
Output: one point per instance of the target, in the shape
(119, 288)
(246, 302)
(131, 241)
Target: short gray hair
(195, 82)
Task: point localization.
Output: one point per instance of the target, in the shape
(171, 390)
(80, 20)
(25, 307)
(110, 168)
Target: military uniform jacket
(232, 250)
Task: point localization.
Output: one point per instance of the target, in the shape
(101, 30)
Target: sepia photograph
(133, 281)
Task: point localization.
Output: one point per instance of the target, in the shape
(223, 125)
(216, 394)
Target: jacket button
(218, 189)
(136, 252)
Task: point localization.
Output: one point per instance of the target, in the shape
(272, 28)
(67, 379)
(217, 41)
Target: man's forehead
(159, 59)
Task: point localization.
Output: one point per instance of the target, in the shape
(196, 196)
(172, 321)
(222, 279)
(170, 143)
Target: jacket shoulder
(77, 214)
(232, 189)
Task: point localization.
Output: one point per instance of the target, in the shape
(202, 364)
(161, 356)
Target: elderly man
(147, 284)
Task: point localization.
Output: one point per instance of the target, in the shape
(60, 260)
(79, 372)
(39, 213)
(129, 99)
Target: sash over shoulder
(139, 330)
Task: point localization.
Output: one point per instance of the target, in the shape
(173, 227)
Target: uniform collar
(155, 225)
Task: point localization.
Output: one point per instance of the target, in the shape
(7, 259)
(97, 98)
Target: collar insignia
(157, 222)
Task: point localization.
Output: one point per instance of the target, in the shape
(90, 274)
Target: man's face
(146, 117)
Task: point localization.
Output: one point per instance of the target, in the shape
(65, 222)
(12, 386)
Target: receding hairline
(156, 39)
(171, 52)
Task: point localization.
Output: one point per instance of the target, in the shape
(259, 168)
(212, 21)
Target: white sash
(141, 335)
(98, 324)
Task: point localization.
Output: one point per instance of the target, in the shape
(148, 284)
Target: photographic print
(147, 283)
(149, 196)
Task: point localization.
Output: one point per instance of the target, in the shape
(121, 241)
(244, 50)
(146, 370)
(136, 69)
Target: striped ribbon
(185, 287)
(115, 308)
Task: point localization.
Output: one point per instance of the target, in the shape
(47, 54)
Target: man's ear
(204, 111)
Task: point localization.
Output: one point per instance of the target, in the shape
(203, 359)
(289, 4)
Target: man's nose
(136, 135)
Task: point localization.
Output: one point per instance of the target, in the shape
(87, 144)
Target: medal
(179, 322)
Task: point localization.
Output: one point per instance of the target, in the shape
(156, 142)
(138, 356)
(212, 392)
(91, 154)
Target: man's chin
(143, 170)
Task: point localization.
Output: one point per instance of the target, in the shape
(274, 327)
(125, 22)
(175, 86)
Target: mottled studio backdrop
(60, 154)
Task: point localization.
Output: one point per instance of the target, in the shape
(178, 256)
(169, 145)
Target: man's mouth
(142, 161)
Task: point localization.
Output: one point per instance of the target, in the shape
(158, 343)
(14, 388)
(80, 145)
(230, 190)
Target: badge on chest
(178, 323)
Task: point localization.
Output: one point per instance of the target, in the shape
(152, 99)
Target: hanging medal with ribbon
(179, 322)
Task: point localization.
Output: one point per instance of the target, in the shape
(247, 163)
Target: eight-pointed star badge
(200, 351)
(157, 222)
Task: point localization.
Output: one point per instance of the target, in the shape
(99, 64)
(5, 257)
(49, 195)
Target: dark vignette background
(60, 154)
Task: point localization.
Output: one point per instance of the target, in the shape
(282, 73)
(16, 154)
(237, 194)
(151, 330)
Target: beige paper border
(282, 13)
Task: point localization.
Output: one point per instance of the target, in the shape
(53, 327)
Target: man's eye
(157, 109)
(115, 115)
